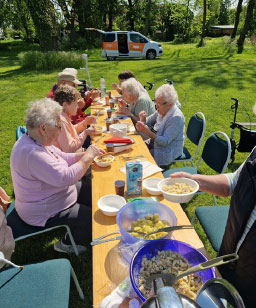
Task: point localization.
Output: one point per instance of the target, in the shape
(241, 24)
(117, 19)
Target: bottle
(102, 86)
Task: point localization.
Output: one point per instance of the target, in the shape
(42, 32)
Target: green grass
(205, 79)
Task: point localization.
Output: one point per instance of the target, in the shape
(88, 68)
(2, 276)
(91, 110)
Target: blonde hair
(168, 93)
(43, 111)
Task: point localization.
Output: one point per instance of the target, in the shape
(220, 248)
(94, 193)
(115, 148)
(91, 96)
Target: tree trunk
(201, 43)
(130, 15)
(249, 14)
(186, 28)
(238, 12)
(69, 18)
(147, 22)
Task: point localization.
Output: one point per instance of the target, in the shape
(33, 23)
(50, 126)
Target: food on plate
(149, 224)
(170, 262)
(104, 159)
(178, 188)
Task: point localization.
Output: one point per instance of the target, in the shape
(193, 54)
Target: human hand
(124, 110)
(93, 151)
(143, 116)
(121, 102)
(88, 120)
(182, 175)
(81, 103)
(91, 131)
(94, 94)
(142, 127)
(114, 86)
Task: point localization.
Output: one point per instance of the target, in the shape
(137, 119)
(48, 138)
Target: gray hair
(42, 111)
(168, 93)
(131, 87)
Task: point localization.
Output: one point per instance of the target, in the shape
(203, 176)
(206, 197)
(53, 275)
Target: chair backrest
(216, 152)
(20, 130)
(196, 128)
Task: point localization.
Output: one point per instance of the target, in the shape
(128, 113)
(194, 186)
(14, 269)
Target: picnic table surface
(109, 268)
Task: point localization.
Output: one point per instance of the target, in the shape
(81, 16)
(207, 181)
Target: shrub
(50, 60)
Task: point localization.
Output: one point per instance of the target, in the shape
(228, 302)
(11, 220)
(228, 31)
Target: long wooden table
(109, 269)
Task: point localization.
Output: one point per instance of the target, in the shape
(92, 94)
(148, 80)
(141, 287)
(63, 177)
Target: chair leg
(72, 240)
(79, 290)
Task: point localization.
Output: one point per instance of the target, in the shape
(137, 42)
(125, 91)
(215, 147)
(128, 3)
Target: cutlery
(170, 279)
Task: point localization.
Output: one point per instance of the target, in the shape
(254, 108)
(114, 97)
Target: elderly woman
(165, 127)
(46, 180)
(138, 100)
(71, 137)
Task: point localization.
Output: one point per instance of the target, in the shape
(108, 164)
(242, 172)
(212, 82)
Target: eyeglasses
(162, 104)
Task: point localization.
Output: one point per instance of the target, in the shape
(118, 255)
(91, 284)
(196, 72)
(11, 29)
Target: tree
(147, 22)
(223, 16)
(238, 12)
(249, 14)
(44, 18)
(201, 43)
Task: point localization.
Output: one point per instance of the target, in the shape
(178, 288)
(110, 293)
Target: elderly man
(138, 100)
(165, 127)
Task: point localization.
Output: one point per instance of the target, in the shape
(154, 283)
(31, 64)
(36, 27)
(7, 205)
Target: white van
(128, 44)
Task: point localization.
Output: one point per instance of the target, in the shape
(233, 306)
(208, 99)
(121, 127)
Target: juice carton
(134, 178)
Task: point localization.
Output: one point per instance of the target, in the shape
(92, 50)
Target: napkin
(148, 168)
(118, 140)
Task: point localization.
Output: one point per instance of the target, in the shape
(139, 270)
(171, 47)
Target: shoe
(61, 247)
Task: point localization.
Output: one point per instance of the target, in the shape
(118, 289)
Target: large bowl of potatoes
(144, 216)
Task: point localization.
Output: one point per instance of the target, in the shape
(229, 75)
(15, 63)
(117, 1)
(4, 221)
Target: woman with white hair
(138, 100)
(46, 180)
(165, 127)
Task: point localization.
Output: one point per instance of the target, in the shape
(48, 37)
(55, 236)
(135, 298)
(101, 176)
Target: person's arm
(67, 142)
(115, 86)
(81, 126)
(213, 184)
(172, 129)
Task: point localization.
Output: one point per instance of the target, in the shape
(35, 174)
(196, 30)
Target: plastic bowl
(104, 164)
(178, 198)
(139, 209)
(151, 186)
(149, 250)
(99, 129)
(111, 204)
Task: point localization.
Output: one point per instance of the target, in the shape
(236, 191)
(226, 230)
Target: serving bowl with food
(111, 204)
(98, 111)
(168, 256)
(104, 160)
(179, 190)
(144, 216)
(99, 129)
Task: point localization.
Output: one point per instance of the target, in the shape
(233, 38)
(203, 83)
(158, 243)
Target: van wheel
(151, 54)
(111, 58)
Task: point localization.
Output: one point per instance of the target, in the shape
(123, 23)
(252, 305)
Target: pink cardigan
(68, 140)
(44, 180)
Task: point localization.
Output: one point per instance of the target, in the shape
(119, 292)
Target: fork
(131, 157)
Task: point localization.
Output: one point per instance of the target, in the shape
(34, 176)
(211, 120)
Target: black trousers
(78, 217)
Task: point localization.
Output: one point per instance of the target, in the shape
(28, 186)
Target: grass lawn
(205, 80)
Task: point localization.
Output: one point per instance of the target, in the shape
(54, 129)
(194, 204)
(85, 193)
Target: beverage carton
(134, 178)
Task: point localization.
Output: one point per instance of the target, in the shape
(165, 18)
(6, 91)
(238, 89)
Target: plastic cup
(119, 187)
(115, 120)
(110, 147)
(112, 105)
(108, 123)
(107, 100)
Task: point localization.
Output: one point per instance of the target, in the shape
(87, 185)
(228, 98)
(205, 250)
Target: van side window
(108, 37)
(136, 38)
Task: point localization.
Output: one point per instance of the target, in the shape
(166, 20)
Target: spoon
(170, 279)
(165, 229)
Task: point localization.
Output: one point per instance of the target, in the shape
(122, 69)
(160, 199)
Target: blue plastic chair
(213, 219)
(20, 130)
(21, 230)
(44, 285)
(195, 134)
(216, 154)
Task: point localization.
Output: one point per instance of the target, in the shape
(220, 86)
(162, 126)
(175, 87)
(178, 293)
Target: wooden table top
(109, 269)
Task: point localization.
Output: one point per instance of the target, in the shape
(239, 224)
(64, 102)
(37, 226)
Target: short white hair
(71, 70)
(168, 93)
(131, 87)
(42, 111)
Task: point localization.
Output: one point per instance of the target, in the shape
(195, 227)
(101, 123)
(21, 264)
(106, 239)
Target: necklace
(47, 149)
